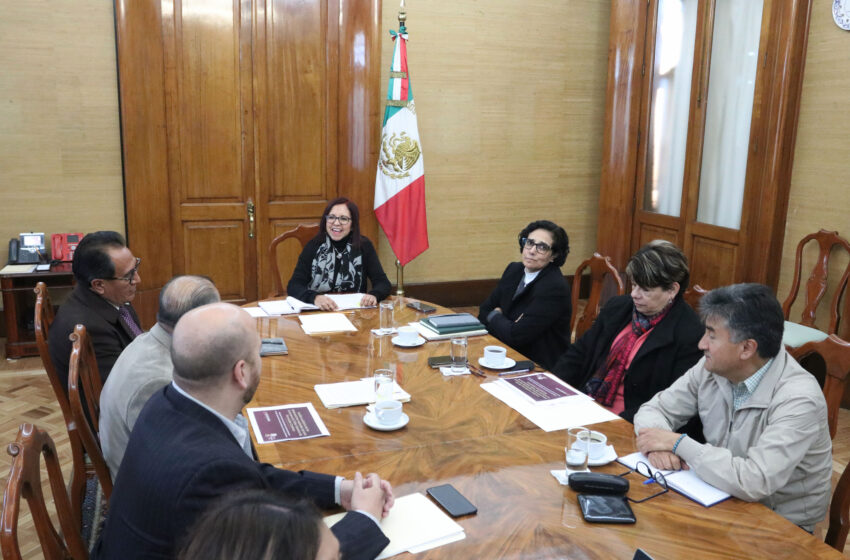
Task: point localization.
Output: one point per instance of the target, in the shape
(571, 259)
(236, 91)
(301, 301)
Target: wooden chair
(839, 513)
(693, 294)
(817, 282)
(836, 357)
(82, 369)
(303, 233)
(25, 482)
(599, 267)
(43, 319)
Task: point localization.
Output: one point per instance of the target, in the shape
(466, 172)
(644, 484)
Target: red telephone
(64, 245)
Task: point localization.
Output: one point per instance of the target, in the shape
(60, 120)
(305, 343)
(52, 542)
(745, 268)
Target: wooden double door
(239, 120)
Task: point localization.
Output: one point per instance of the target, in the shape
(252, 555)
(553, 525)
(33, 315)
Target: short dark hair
(659, 263)
(355, 220)
(560, 240)
(91, 259)
(750, 311)
(256, 524)
(184, 293)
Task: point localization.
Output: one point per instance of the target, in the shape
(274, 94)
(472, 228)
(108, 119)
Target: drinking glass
(459, 346)
(386, 317)
(576, 450)
(384, 380)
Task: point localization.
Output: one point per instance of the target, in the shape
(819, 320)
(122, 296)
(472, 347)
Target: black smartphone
(439, 361)
(421, 307)
(451, 500)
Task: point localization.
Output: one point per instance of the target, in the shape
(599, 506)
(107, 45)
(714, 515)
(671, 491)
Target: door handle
(251, 218)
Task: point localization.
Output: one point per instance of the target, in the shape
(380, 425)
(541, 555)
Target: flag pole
(399, 268)
(399, 275)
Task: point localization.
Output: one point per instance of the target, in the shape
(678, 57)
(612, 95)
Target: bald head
(182, 294)
(209, 340)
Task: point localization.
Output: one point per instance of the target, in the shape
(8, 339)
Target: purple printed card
(286, 422)
(540, 387)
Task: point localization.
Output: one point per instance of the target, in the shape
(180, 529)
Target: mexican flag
(400, 180)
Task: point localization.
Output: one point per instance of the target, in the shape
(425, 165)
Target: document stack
(453, 324)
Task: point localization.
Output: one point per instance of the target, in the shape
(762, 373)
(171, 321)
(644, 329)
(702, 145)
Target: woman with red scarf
(639, 343)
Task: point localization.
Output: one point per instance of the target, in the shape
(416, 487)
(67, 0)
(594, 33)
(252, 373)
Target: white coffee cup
(388, 412)
(494, 356)
(407, 335)
(597, 444)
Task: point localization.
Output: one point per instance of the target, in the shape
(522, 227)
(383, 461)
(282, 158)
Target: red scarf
(606, 381)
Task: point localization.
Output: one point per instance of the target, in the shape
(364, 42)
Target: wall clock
(841, 13)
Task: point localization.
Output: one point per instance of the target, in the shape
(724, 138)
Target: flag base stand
(399, 271)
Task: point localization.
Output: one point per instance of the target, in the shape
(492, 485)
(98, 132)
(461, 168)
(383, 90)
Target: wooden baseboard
(467, 293)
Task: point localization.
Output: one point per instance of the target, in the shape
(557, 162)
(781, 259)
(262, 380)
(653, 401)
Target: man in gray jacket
(764, 417)
(145, 366)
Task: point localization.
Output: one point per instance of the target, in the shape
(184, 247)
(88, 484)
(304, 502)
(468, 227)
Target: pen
(513, 371)
(649, 480)
(475, 371)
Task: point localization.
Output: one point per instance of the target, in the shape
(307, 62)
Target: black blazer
(537, 322)
(668, 352)
(298, 286)
(108, 334)
(180, 459)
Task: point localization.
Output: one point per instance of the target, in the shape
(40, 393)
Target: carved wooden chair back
(82, 370)
(303, 233)
(44, 314)
(693, 294)
(599, 267)
(817, 282)
(836, 356)
(839, 513)
(25, 482)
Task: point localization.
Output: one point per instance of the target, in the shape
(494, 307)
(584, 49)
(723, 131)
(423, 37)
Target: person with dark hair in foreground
(107, 276)
(640, 343)
(338, 260)
(260, 525)
(530, 309)
(145, 365)
(191, 445)
(763, 415)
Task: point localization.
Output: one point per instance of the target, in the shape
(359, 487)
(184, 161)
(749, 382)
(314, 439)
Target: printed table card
(272, 424)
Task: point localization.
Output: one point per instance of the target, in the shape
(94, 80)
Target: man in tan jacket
(764, 417)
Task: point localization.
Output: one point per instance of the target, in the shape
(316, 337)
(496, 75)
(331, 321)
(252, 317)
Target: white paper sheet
(354, 393)
(415, 524)
(321, 323)
(686, 483)
(348, 301)
(299, 305)
(578, 410)
(256, 311)
(276, 307)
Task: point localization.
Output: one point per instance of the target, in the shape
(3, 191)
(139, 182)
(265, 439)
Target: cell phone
(451, 500)
(439, 361)
(421, 307)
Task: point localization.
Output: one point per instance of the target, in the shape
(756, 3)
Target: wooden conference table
(460, 434)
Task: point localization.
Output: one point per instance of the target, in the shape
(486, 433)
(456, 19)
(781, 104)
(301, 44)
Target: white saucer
(607, 457)
(507, 364)
(418, 342)
(370, 420)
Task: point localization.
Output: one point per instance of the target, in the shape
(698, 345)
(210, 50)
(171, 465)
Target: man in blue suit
(190, 445)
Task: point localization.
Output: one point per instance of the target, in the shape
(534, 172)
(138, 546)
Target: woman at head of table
(530, 308)
(338, 260)
(639, 343)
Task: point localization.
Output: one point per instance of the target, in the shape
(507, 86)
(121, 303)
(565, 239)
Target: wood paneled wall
(510, 101)
(60, 153)
(820, 183)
